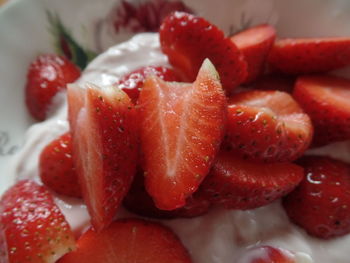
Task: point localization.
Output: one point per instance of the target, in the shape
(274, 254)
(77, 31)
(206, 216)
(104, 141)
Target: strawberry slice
(312, 55)
(267, 254)
(32, 226)
(47, 75)
(140, 202)
(321, 203)
(56, 167)
(129, 241)
(326, 100)
(104, 132)
(132, 83)
(255, 43)
(268, 126)
(187, 40)
(240, 184)
(181, 129)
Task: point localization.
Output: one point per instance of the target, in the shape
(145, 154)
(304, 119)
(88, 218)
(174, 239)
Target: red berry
(267, 254)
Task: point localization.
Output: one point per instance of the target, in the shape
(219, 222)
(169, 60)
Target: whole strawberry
(321, 203)
(56, 167)
(47, 75)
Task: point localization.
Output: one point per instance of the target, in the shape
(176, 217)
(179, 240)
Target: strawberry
(268, 126)
(240, 184)
(181, 129)
(187, 40)
(104, 132)
(132, 83)
(32, 226)
(267, 254)
(321, 203)
(255, 43)
(140, 202)
(56, 168)
(312, 55)
(47, 75)
(275, 82)
(129, 241)
(326, 100)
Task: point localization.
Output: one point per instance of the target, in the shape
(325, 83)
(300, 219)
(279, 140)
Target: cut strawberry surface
(132, 83)
(104, 132)
(181, 129)
(326, 100)
(47, 75)
(187, 40)
(255, 43)
(140, 202)
(56, 167)
(32, 227)
(267, 254)
(313, 55)
(321, 203)
(129, 241)
(240, 184)
(268, 126)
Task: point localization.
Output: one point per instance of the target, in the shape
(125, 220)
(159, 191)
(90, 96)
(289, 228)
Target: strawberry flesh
(187, 40)
(56, 167)
(321, 203)
(32, 227)
(326, 100)
(47, 75)
(181, 129)
(240, 184)
(104, 131)
(268, 126)
(129, 241)
(255, 43)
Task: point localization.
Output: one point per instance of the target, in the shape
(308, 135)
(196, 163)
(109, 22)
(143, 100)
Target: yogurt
(221, 236)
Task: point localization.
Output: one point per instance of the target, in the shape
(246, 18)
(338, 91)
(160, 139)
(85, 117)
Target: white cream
(220, 236)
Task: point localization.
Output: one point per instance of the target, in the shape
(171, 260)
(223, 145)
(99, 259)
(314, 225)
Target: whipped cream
(221, 236)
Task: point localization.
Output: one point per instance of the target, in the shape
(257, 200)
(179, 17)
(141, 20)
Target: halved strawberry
(267, 254)
(240, 184)
(32, 226)
(268, 126)
(309, 55)
(187, 40)
(275, 82)
(140, 202)
(129, 241)
(47, 75)
(104, 131)
(255, 43)
(326, 100)
(56, 167)
(132, 83)
(321, 203)
(182, 126)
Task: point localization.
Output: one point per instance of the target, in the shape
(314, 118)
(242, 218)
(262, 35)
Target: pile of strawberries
(173, 142)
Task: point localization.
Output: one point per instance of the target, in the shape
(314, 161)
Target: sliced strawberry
(129, 241)
(268, 126)
(240, 184)
(187, 40)
(132, 83)
(181, 129)
(310, 55)
(104, 132)
(56, 167)
(255, 43)
(47, 75)
(321, 203)
(32, 226)
(140, 202)
(326, 100)
(267, 254)
(275, 82)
